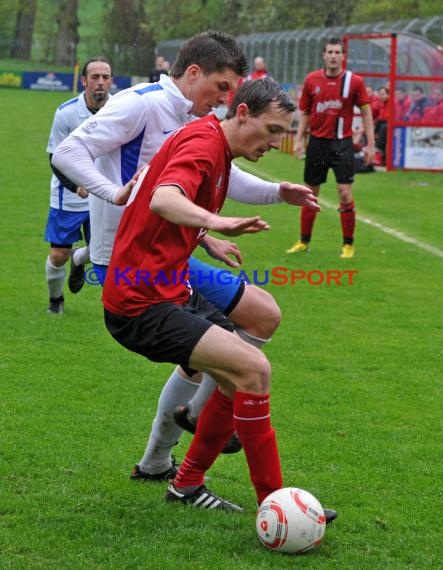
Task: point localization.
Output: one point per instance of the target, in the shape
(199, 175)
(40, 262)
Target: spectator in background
(381, 124)
(434, 112)
(402, 102)
(260, 71)
(159, 69)
(438, 98)
(374, 101)
(418, 105)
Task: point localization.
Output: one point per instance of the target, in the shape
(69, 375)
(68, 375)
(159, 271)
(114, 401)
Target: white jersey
(120, 138)
(67, 118)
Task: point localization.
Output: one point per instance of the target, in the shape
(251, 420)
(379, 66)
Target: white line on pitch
(391, 231)
(386, 229)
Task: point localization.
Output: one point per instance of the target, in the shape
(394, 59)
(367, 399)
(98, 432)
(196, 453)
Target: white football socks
(251, 339)
(81, 256)
(55, 277)
(165, 432)
(203, 393)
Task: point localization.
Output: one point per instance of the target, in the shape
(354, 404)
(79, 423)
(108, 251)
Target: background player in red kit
(175, 202)
(327, 108)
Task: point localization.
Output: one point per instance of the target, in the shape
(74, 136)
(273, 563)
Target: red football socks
(347, 218)
(249, 414)
(307, 219)
(214, 427)
(252, 422)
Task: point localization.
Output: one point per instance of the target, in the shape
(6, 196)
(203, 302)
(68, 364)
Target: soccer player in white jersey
(125, 135)
(68, 219)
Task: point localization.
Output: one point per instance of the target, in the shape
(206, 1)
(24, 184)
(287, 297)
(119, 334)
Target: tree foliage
(386, 10)
(128, 36)
(128, 30)
(67, 32)
(21, 43)
(242, 16)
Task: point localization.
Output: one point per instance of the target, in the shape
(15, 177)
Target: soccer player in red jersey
(326, 107)
(151, 309)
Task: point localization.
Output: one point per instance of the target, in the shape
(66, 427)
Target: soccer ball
(290, 520)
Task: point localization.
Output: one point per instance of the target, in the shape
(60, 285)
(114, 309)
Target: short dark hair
(258, 94)
(212, 51)
(97, 58)
(334, 42)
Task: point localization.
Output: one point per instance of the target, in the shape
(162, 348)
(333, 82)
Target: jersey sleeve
(249, 189)
(59, 131)
(304, 103)
(107, 131)
(68, 184)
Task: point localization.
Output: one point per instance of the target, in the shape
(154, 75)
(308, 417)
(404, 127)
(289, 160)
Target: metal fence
(292, 54)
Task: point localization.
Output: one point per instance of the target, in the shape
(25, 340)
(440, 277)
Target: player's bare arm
(170, 203)
(299, 142)
(229, 226)
(368, 125)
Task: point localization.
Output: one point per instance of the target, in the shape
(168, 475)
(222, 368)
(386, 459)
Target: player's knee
(271, 318)
(257, 313)
(266, 320)
(256, 373)
(58, 256)
(345, 194)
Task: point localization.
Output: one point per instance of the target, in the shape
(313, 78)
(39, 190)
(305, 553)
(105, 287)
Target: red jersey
(376, 106)
(258, 74)
(401, 108)
(330, 101)
(252, 76)
(434, 113)
(149, 261)
(384, 111)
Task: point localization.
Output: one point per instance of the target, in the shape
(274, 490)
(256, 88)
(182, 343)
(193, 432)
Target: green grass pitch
(356, 388)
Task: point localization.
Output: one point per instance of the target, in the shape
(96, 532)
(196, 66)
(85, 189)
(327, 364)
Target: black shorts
(323, 154)
(167, 332)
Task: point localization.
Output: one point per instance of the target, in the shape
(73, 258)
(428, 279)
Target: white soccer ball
(291, 520)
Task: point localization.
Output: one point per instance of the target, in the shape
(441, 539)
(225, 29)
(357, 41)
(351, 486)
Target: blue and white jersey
(67, 118)
(120, 138)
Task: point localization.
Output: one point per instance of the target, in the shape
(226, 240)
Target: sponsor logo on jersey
(331, 104)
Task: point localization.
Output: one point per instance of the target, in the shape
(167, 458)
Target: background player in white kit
(126, 134)
(68, 220)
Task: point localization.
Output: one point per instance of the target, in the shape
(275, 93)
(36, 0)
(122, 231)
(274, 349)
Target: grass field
(356, 389)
